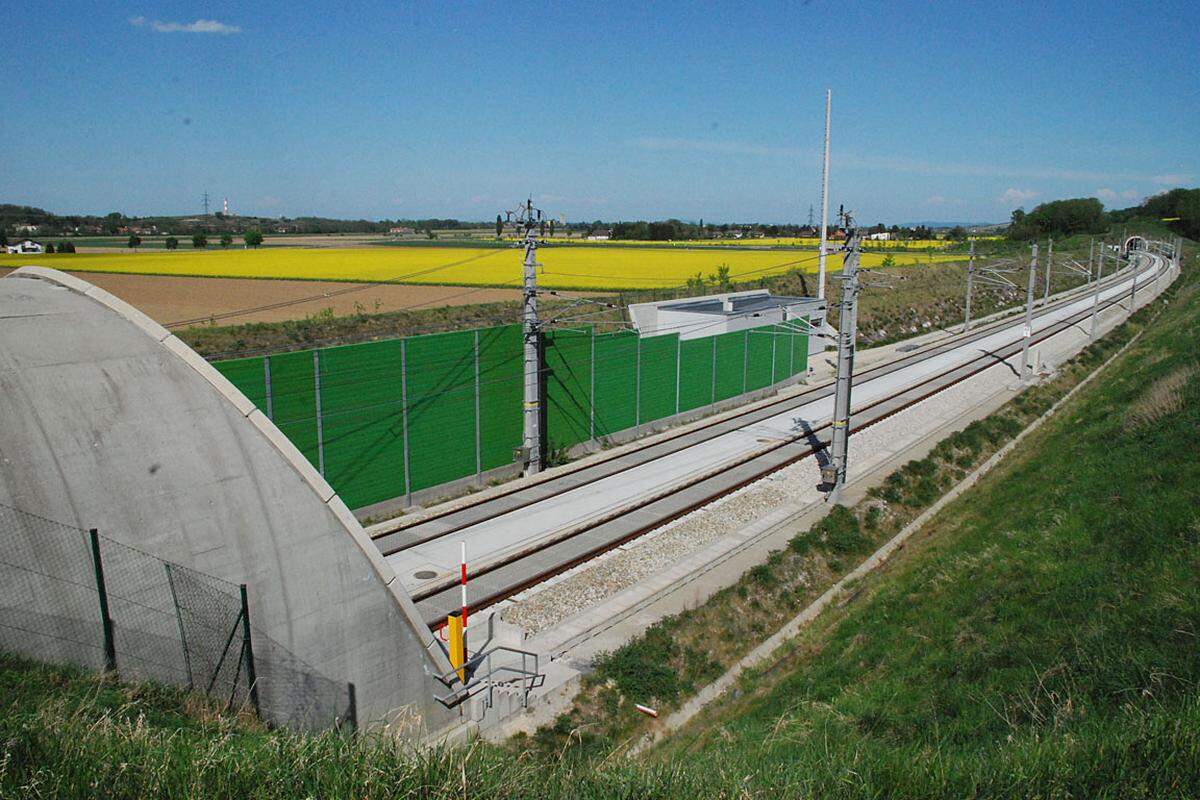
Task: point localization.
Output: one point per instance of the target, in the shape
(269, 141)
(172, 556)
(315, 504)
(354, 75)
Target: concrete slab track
(522, 536)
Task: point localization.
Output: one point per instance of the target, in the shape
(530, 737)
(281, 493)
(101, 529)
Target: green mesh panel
(658, 376)
(247, 375)
(294, 400)
(441, 407)
(616, 376)
(696, 373)
(731, 361)
(568, 387)
(362, 421)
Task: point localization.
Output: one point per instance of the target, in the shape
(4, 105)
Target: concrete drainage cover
(424, 574)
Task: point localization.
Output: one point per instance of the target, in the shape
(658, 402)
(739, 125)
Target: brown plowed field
(171, 300)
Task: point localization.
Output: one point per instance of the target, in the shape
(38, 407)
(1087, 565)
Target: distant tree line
(1178, 209)
(678, 230)
(1180, 206)
(1060, 217)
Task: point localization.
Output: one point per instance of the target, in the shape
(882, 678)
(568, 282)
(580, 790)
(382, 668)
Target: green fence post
(745, 358)
(404, 419)
(267, 388)
(187, 658)
(714, 370)
(248, 649)
(791, 354)
(637, 389)
(592, 393)
(678, 363)
(774, 339)
(317, 394)
(478, 426)
(110, 646)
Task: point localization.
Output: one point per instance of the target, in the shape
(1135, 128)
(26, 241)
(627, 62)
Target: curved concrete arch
(110, 421)
(1132, 243)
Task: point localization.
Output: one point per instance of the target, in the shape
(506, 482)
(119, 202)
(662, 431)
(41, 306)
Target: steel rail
(707, 430)
(989, 359)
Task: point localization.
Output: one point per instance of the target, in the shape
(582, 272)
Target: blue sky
(614, 110)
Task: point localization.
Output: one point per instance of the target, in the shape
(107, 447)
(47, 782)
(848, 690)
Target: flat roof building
(698, 317)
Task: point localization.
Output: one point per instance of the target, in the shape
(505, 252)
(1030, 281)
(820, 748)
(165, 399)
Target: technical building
(698, 317)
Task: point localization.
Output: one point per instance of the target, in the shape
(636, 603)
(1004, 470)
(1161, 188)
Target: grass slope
(1042, 643)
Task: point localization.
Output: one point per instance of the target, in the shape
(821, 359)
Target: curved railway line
(518, 568)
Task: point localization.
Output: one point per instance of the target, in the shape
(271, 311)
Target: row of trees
(1059, 217)
(1178, 209)
(199, 241)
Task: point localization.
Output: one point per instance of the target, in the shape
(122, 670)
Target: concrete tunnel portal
(111, 422)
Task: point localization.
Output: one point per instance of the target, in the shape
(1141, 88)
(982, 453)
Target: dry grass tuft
(1164, 397)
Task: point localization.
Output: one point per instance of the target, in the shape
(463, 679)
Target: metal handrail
(475, 682)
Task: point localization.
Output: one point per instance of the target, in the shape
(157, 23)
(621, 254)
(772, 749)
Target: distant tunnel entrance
(1133, 243)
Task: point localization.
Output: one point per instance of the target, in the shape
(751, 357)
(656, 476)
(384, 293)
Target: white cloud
(1172, 179)
(1017, 196)
(199, 26)
(1108, 195)
(935, 200)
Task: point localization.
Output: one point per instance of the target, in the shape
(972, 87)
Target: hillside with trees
(1179, 209)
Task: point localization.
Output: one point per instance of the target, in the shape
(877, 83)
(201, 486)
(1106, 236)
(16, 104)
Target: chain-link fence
(70, 595)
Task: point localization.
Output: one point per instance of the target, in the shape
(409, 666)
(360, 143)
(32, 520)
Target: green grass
(1041, 642)
(1039, 638)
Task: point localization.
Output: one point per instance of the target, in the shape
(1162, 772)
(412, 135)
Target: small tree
(199, 241)
(3, 239)
(499, 226)
(49, 248)
(252, 238)
(551, 228)
(226, 240)
(134, 241)
(66, 247)
(171, 243)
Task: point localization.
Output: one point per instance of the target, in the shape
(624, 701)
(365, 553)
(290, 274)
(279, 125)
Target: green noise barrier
(382, 420)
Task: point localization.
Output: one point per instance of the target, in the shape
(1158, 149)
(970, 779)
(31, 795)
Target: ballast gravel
(548, 604)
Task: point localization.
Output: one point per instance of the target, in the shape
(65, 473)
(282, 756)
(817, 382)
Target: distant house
(600, 235)
(401, 231)
(26, 228)
(880, 237)
(26, 247)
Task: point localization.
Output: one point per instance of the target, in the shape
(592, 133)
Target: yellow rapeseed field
(766, 241)
(564, 267)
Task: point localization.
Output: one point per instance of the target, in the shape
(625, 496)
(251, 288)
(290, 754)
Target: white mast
(824, 199)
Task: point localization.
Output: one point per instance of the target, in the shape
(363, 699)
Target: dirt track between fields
(168, 299)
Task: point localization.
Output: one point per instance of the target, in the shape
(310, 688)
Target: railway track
(516, 569)
(397, 535)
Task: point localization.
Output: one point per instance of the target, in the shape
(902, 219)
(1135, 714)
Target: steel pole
(833, 474)
(532, 335)
(1049, 266)
(1096, 290)
(1027, 331)
(824, 201)
(970, 279)
(1132, 284)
